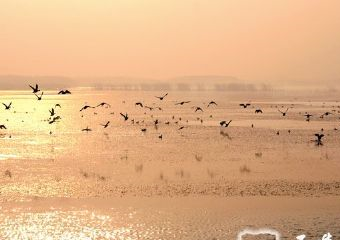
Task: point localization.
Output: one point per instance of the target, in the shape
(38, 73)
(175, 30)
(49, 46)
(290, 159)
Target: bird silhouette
(104, 104)
(143, 129)
(106, 124)
(64, 92)
(52, 112)
(182, 103)
(139, 104)
(198, 109)
(258, 111)
(283, 113)
(126, 117)
(39, 97)
(87, 129)
(307, 115)
(181, 128)
(212, 103)
(57, 105)
(225, 123)
(319, 138)
(3, 127)
(245, 105)
(7, 107)
(162, 97)
(85, 107)
(54, 119)
(160, 137)
(35, 89)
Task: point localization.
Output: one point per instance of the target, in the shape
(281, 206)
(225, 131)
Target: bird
(198, 109)
(104, 104)
(245, 105)
(106, 124)
(325, 114)
(139, 104)
(54, 119)
(212, 103)
(182, 103)
(87, 129)
(35, 89)
(85, 107)
(307, 115)
(181, 128)
(283, 113)
(7, 107)
(160, 137)
(258, 111)
(319, 138)
(225, 124)
(143, 129)
(64, 92)
(126, 117)
(39, 97)
(57, 105)
(3, 127)
(162, 97)
(52, 112)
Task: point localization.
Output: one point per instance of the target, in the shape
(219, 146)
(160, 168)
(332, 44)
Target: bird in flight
(57, 105)
(3, 127)
(52, 112)
(139, 104)
(126, 117)
(225, 123)
(181, 128)
(63, 92)
(319, 138)
(85, 107)
(182, 103)
(104, 104)
(7, 107)
(245, 105)
(307, 115)
(258, 111)
(162, 97)
(39, 97)
(106, 124)
(55, 119)
(87, 129)
(35, 89)
(198, 109)
(212, 103)
(283, 113)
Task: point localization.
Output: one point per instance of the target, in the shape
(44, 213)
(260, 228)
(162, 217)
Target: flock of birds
(53, 118)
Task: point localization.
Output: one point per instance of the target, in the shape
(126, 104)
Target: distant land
(184, 83)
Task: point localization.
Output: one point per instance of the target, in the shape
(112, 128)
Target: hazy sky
(249, 39)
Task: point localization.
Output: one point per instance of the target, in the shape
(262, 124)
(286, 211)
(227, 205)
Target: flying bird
(126, 117)
(87, 129)
(319, 138)
(245, 105)
(85, 107)
(52, 112)
(139, 104)
(283, 113)
(162, 97)
(7, 107)
(258, 111)
(198, 109)
(212, 103)
(3, 127)
(106, 124)
(35, 89)
(64, 92)
(182, 103)
(39, 97)
(104, 104)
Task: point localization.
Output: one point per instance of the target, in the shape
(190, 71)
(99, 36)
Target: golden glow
(291, 39)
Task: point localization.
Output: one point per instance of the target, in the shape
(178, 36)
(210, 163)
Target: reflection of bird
(126, 117)
(104, 104)
(7, 107)
(212, 103)
(35, 89)
(139, 104)
(3, 127)
(258, 111)
(283, 113)
(63, 92)
(85, 107)
(325, 114)
(39, 97)
(245, 105)
(87, 129)
(162, 97)
(106, 124)
(182, 103)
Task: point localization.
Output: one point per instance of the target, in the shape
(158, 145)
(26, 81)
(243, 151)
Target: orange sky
(253, 39)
